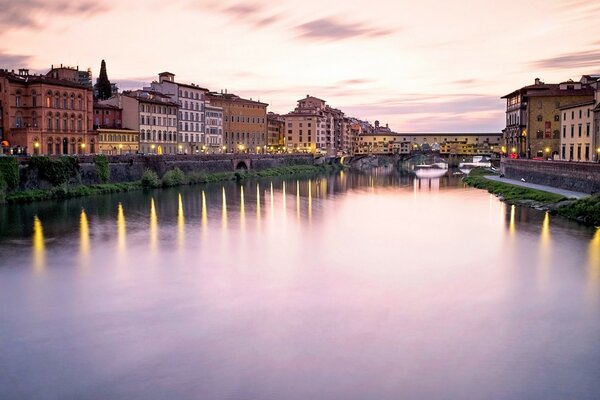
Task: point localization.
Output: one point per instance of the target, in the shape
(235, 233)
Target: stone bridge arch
(241, 164)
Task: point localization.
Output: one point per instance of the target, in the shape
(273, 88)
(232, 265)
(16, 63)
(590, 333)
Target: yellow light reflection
(272, 201)
(39, 247)
(511, 224)
(84, 235)
(224, 211)
(204, 212)
(121, 230)
(242, 209)
(180, 223)
(544, 251)
(153, 227)
(283, 200)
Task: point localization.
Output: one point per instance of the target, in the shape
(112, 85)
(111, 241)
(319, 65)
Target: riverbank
(150, 179)
(585, 211)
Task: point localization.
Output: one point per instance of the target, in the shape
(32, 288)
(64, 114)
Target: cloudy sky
(424, 65)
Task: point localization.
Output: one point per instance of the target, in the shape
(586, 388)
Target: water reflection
(224, 211)
(153, 227)
(455, 269)
(84, 236)
(180, 224)
(594, 261)
(39, 247)
(121, 231)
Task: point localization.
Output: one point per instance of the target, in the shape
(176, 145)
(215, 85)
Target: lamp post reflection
(224, 211)
(242, 210)
(180, 224)
(257, 204)
(309, 200)
(39, 247)
(84, 236)
(298, 200)
(204, 213)
(153, 227)
(121, 230)
(594, 263)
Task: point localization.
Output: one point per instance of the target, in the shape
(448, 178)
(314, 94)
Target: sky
(421, 66)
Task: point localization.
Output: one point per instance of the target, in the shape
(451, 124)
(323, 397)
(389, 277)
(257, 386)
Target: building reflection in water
(594, 262)
(84, 236)
(309, 200)
(39, 247)
(257, 204)
(121, 230)
(545, 250)
(153, 227)
(298, 199)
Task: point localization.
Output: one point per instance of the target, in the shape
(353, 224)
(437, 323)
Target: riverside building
(46, 114)
(244, 122)
(191, 117)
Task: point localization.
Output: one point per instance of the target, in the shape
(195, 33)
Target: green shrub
(196, 177)
(102, 168)
(150, 179)
(9, 168)
(174, 177)
(57, 171)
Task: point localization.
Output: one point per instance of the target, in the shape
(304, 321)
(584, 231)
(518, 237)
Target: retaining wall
(579, 177)
(127, 168)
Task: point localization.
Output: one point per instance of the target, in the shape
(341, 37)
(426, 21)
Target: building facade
(191, 117)
(244, 123)
(533, 123)
(275, 133)
(213, 138)
(310, 128)
(577, 133)
(154, 116)
(46, 114)
(113, 139)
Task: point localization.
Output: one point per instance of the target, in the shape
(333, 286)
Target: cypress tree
(103, 87)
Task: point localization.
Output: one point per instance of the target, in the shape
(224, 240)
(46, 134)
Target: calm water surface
(341, 287)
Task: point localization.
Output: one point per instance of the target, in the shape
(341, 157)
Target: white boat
(428, 171)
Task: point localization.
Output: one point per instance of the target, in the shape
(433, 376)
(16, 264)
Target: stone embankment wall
(579, 177)
(128, 168)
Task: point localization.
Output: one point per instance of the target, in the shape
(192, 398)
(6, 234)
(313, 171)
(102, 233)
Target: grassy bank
(150, 180)
(586, 211)
(510, 193)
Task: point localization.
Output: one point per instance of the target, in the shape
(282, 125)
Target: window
(557, 118)
(587, 130)
(540, 118)
(579, 130)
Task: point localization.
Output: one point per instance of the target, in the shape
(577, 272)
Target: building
(533, 126)
(275, 133)
(577, 135)
(154, 116)
(112, 137)
(213, 137)
(46, 114)
(191, 119)
(310, 128)
(244, 122)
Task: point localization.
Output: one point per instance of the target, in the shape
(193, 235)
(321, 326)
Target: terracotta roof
(232, 98)
(43, 79)
(578, 104)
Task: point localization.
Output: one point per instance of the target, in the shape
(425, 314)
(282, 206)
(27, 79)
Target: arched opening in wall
(241, 165)
(65, 147)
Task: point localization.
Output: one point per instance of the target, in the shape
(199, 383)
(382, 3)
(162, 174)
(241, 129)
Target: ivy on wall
(102, 168)
(56, 171)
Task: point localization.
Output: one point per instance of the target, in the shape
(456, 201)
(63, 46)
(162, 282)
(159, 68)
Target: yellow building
(244, 122)
(383, 141)
(118, 141)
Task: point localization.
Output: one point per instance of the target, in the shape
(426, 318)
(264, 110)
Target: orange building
(244, 122)
(46, 114)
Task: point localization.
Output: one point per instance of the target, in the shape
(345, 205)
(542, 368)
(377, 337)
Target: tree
(103, 86)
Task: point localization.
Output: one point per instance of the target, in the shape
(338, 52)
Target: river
(350, 286)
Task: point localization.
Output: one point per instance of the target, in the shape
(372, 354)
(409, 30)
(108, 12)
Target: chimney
(537, 81)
